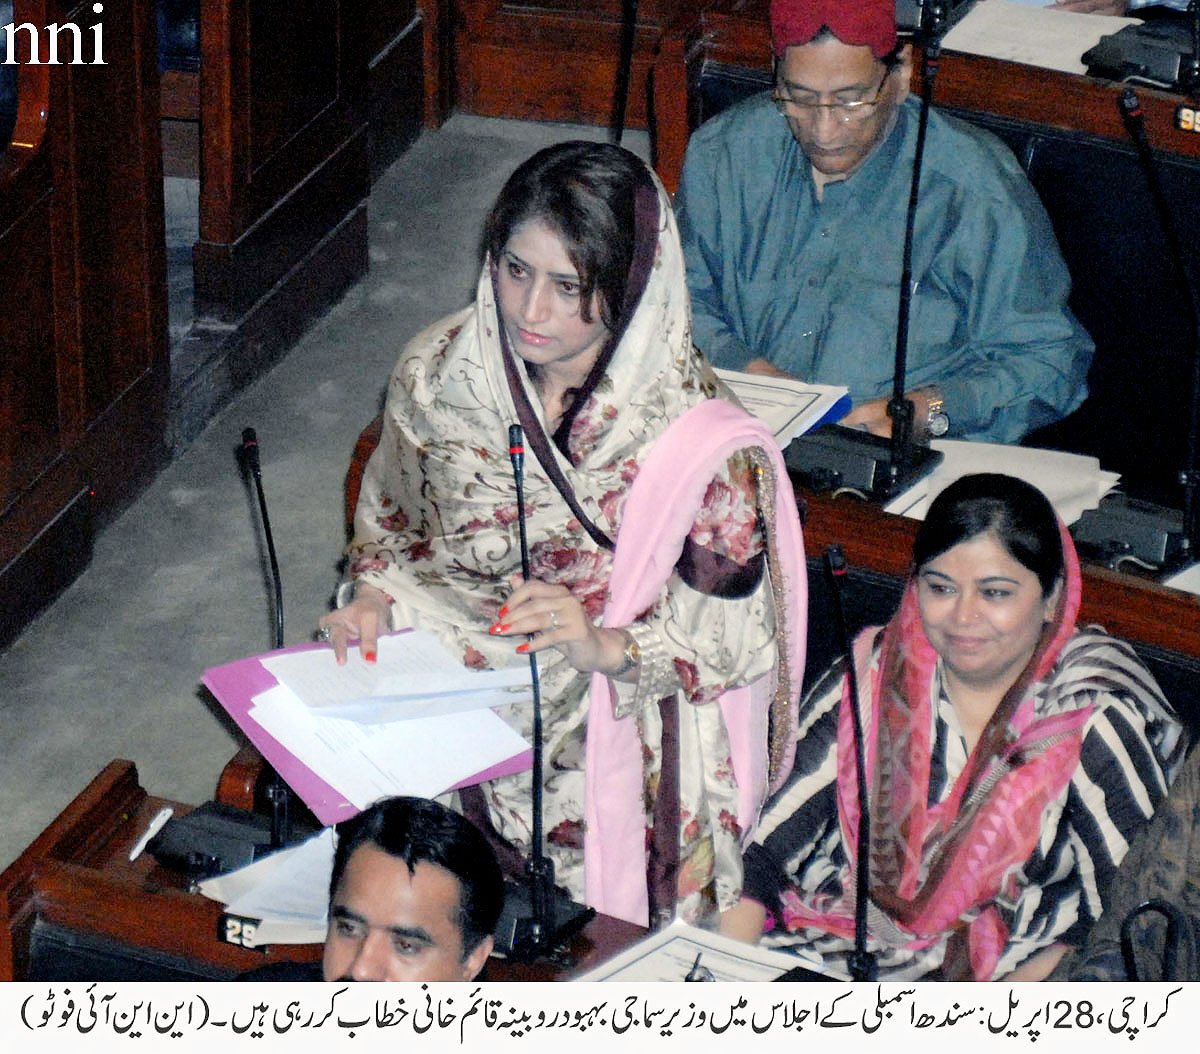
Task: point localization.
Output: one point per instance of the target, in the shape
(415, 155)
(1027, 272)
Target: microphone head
(1129, 105)
(516, 440)
(249, 451)
(835, 560)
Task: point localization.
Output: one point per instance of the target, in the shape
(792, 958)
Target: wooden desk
(77, 877)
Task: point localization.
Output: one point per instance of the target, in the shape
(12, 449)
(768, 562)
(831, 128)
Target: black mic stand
(833, 457)
(215, 838)
(278, 793)
(860, 962)
(1123, 528)
(537, 916)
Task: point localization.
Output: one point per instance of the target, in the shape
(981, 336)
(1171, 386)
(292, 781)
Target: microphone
(862, 962)
(277, 791)
(214, 837)
(250, 459)
(833, 457)
(536, 916)
(1122, 528)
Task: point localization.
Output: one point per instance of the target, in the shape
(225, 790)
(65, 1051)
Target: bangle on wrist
(632, 656)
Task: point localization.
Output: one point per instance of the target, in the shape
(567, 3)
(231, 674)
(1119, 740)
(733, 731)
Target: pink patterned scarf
(939, 868)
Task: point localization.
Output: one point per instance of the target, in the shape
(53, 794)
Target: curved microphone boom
(250, 456)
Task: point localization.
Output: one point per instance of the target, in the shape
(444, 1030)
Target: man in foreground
(415, 895)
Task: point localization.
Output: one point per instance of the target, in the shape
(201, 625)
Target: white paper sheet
(1188, 580)
(1072, 482)
(788, 407)
(670, 954)
(422, 757)
(1034, 35)
(415, 676)
(287, 891)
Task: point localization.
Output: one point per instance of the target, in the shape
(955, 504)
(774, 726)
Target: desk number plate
(239, 930)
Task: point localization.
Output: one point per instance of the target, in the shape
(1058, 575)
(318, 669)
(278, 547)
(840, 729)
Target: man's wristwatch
(633, 654)
(937, 424)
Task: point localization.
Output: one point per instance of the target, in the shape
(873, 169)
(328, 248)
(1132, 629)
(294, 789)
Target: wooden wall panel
(283, 127)
(553, 60)
(30, 429)
(84, 333)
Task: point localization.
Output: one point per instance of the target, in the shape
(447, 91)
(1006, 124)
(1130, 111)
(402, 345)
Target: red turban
(868, 22)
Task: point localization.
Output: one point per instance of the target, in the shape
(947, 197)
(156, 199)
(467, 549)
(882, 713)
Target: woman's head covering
(452, 397)
(934, 866)
(871, 23)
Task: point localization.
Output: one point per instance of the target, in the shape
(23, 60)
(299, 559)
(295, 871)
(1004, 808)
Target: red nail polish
(523, 648)
(369, 656)
(503, 611)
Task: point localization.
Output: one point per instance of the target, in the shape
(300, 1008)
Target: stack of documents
(1072, 482)
(1031, 32)
(674, 951)
(415, 722)
(288, 892)
(789, 407)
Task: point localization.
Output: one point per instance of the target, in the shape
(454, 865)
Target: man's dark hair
(417, 830)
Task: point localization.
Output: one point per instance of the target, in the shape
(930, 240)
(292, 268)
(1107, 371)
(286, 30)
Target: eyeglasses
(845, 112)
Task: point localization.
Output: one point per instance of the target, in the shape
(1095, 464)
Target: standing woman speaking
(667, 595)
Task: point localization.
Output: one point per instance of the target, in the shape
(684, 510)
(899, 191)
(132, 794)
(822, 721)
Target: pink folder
(237, 683)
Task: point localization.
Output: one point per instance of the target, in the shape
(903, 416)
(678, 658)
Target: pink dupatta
(659, 513)
(935, 869)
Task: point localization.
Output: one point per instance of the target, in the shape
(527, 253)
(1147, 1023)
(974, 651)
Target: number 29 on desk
(236, 929)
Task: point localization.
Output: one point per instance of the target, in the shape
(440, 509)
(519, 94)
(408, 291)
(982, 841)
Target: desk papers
(415, 675)
(288, 892)
(788, 407)
(1187, 580)
(1031, 33)
(339, 766)
(1072, 482)
(669, 955)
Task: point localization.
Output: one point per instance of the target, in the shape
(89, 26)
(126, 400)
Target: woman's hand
(363, 619)
(744, 921)
(557, 620)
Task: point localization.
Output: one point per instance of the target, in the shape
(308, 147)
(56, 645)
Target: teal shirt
(813, 286)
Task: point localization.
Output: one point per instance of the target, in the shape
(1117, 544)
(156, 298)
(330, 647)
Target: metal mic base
(521, 936)
(1128, 529)
(832, 457)
(803, 973)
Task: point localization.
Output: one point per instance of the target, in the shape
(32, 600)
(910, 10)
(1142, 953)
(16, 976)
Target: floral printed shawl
(442, 462)
(435, 523)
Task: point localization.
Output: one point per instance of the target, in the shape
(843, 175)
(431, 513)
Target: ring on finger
(326, 632)
(553, 619)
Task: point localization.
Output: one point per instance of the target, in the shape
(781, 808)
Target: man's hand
(766, 368)
(1091, 7)
(873, 417)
